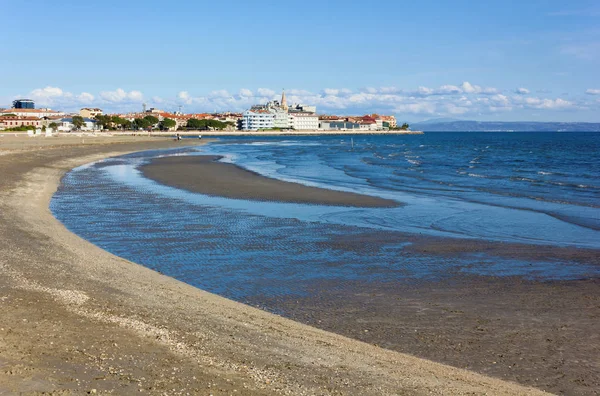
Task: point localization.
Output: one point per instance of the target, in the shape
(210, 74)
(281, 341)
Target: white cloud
(449, 89)
(425, 91)
(416, 108)
(465, 100)
(468, 88)
(184, 97)
(85, 97)
(548, 104)
(337, 92)
(120, 95)
(57, 98)
(48, 92)
(500, 100)
(246, 93)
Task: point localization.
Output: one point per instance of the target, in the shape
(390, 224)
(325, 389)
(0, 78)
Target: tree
(195, 124)
(103, 121)
(168, 123)
(119, 122)
(151, 119)
(53, 126)
(405, 126)
(206, 124)
(78, 122)
(141, 123)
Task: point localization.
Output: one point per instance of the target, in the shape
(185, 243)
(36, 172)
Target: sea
(540, 190)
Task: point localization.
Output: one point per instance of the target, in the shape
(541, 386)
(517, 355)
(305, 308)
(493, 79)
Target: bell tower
(283, 101)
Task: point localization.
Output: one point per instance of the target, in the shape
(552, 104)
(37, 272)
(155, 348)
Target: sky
(526, 60)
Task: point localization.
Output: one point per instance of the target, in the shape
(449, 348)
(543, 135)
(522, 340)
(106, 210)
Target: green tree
(78, 122)
(151, 119)
(168, 123)
(53, 126)
(103, 121)
(141, 123)
(119, 122)
(195, 124)
(405, 126)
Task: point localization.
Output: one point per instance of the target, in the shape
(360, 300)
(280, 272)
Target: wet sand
(203, 174)
(76, 319)
(527, 331)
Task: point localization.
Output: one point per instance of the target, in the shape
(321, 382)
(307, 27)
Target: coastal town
(272, 116)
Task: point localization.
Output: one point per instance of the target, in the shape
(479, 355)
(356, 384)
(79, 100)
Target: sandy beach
(77, 320)
(205, 175)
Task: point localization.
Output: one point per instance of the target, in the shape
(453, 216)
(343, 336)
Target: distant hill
(445, 125)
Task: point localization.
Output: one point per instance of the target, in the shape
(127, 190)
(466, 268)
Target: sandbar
(205, 175)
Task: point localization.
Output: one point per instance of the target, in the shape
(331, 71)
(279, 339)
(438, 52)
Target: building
(390, 120)
(7, 122)
(66, 124)
(284, 105)
(281, 118)
(304, 121)
(38, 113)
(90, 112)
(337, 125)
(23, 104)
(257, 118)
(279, 115)
(303, 108)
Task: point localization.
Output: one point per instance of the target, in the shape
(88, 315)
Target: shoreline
(77, 319)
(205, 175)
(271, 133)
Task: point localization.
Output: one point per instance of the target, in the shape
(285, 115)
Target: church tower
(283, 101)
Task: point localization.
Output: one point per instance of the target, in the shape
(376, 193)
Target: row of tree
(404, 127)
(150, 122)
(202, 125)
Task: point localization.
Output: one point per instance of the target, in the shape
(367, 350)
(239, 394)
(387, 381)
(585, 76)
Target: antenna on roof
(180, 106)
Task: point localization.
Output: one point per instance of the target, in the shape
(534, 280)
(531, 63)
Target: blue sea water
(540, 189)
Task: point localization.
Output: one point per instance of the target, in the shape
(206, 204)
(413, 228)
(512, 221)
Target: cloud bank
(464, 99)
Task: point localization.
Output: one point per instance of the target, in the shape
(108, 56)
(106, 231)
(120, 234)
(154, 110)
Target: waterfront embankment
(76, 319)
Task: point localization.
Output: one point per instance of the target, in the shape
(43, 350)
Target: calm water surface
(533, 188)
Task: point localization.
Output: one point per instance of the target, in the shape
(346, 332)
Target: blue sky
(493, 60)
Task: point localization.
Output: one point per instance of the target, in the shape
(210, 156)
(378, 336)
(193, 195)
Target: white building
(281, 118)
(304, 121)
(255, 119)
(66, 124)
(276, 114)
